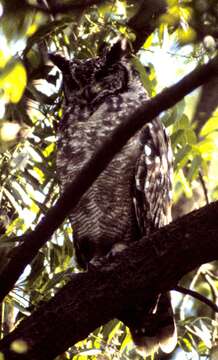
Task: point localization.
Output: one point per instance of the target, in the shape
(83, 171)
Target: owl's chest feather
(105, 215)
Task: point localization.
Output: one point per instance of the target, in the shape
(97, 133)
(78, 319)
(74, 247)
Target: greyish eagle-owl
(132, 196)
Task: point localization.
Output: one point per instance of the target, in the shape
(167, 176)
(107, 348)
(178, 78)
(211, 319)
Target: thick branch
(92, 298)
(144, 22)
(111, 145)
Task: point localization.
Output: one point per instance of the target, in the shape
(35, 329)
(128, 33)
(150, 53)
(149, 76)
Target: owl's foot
(96, 262)
(99, 261)
(117, 248)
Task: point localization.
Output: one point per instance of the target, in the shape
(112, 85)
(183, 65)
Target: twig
(197, 296)
(203, 187)
(185, 299)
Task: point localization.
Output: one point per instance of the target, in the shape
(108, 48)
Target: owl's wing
(153, 188)
(153, 178)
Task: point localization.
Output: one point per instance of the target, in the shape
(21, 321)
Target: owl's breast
(105, 215)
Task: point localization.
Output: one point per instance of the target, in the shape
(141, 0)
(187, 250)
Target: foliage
(30, 106)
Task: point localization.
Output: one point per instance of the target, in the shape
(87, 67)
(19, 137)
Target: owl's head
(87, 77)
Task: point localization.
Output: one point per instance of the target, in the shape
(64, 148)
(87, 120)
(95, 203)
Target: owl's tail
(154, 329)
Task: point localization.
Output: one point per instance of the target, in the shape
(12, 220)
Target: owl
(132, 196)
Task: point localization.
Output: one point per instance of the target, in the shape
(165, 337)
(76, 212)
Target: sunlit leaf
(31, 29)
(127, 340)
(49, 149)
(186, 344)
(210, 126)
(171, 3)
(148, 41)
(34, 208)
(13, 82)
(206, 147)
(204, 334)
(19, 346)
(39, 174)
(186, 36)
(121, 8)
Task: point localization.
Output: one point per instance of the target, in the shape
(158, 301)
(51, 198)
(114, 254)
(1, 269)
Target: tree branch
(33, 241)
(134, 276)
(144, 22)
(197, 296)
(62, 8)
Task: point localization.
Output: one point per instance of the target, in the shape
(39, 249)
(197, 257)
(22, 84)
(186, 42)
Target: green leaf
(148, 41)
(169, 117)
(210, 126)
(194, 168)
(13, 80)
(182, 121)
(186, 344)
(176, 137)
(143, 75)
(190, 136)
(19, 346)
(182, 156)
(185, 184)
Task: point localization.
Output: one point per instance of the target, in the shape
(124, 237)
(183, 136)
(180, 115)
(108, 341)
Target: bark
(92, 298)
(145, 21)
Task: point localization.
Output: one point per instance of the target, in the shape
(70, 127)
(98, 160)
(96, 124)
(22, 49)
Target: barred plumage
(132, 196)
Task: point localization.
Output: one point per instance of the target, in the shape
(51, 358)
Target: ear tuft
(117, 51)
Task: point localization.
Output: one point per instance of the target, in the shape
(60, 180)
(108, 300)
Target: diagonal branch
(131, 277)
(144, 22)
(34, 240)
